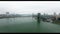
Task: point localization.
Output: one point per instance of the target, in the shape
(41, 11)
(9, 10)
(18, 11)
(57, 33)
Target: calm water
(27, 24)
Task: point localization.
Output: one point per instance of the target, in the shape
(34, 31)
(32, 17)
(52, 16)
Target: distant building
(7, 12)
(44, 14)
(59, 14)
(54, 13)
(57, 17)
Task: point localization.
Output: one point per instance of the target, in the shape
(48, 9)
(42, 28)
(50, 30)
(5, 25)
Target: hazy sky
(29, 7)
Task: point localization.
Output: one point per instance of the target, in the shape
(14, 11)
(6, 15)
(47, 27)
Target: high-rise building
(59, 14)
(54, 13)
(44, 14)
(7, 12)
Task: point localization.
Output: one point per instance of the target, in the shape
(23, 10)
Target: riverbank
(56, 22)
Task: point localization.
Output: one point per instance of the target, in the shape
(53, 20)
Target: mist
(29, 7)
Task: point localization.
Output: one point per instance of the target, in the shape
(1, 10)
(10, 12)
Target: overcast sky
(29, 7)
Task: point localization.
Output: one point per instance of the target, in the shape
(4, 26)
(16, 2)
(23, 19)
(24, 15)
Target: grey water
(27, 24)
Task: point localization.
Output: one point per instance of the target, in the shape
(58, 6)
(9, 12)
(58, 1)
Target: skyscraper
(54, 13)
(59, 14)
(7, 12)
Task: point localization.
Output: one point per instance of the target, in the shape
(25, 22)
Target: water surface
(27, 24)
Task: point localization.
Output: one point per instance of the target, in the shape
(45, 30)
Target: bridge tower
(38, 17)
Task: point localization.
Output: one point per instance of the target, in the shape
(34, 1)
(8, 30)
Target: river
(27, 25)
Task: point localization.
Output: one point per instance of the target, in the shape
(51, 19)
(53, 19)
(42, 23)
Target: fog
(29, 7)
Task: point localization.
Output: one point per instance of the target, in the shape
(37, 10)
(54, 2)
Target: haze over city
(30, 16)
(29, 7)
